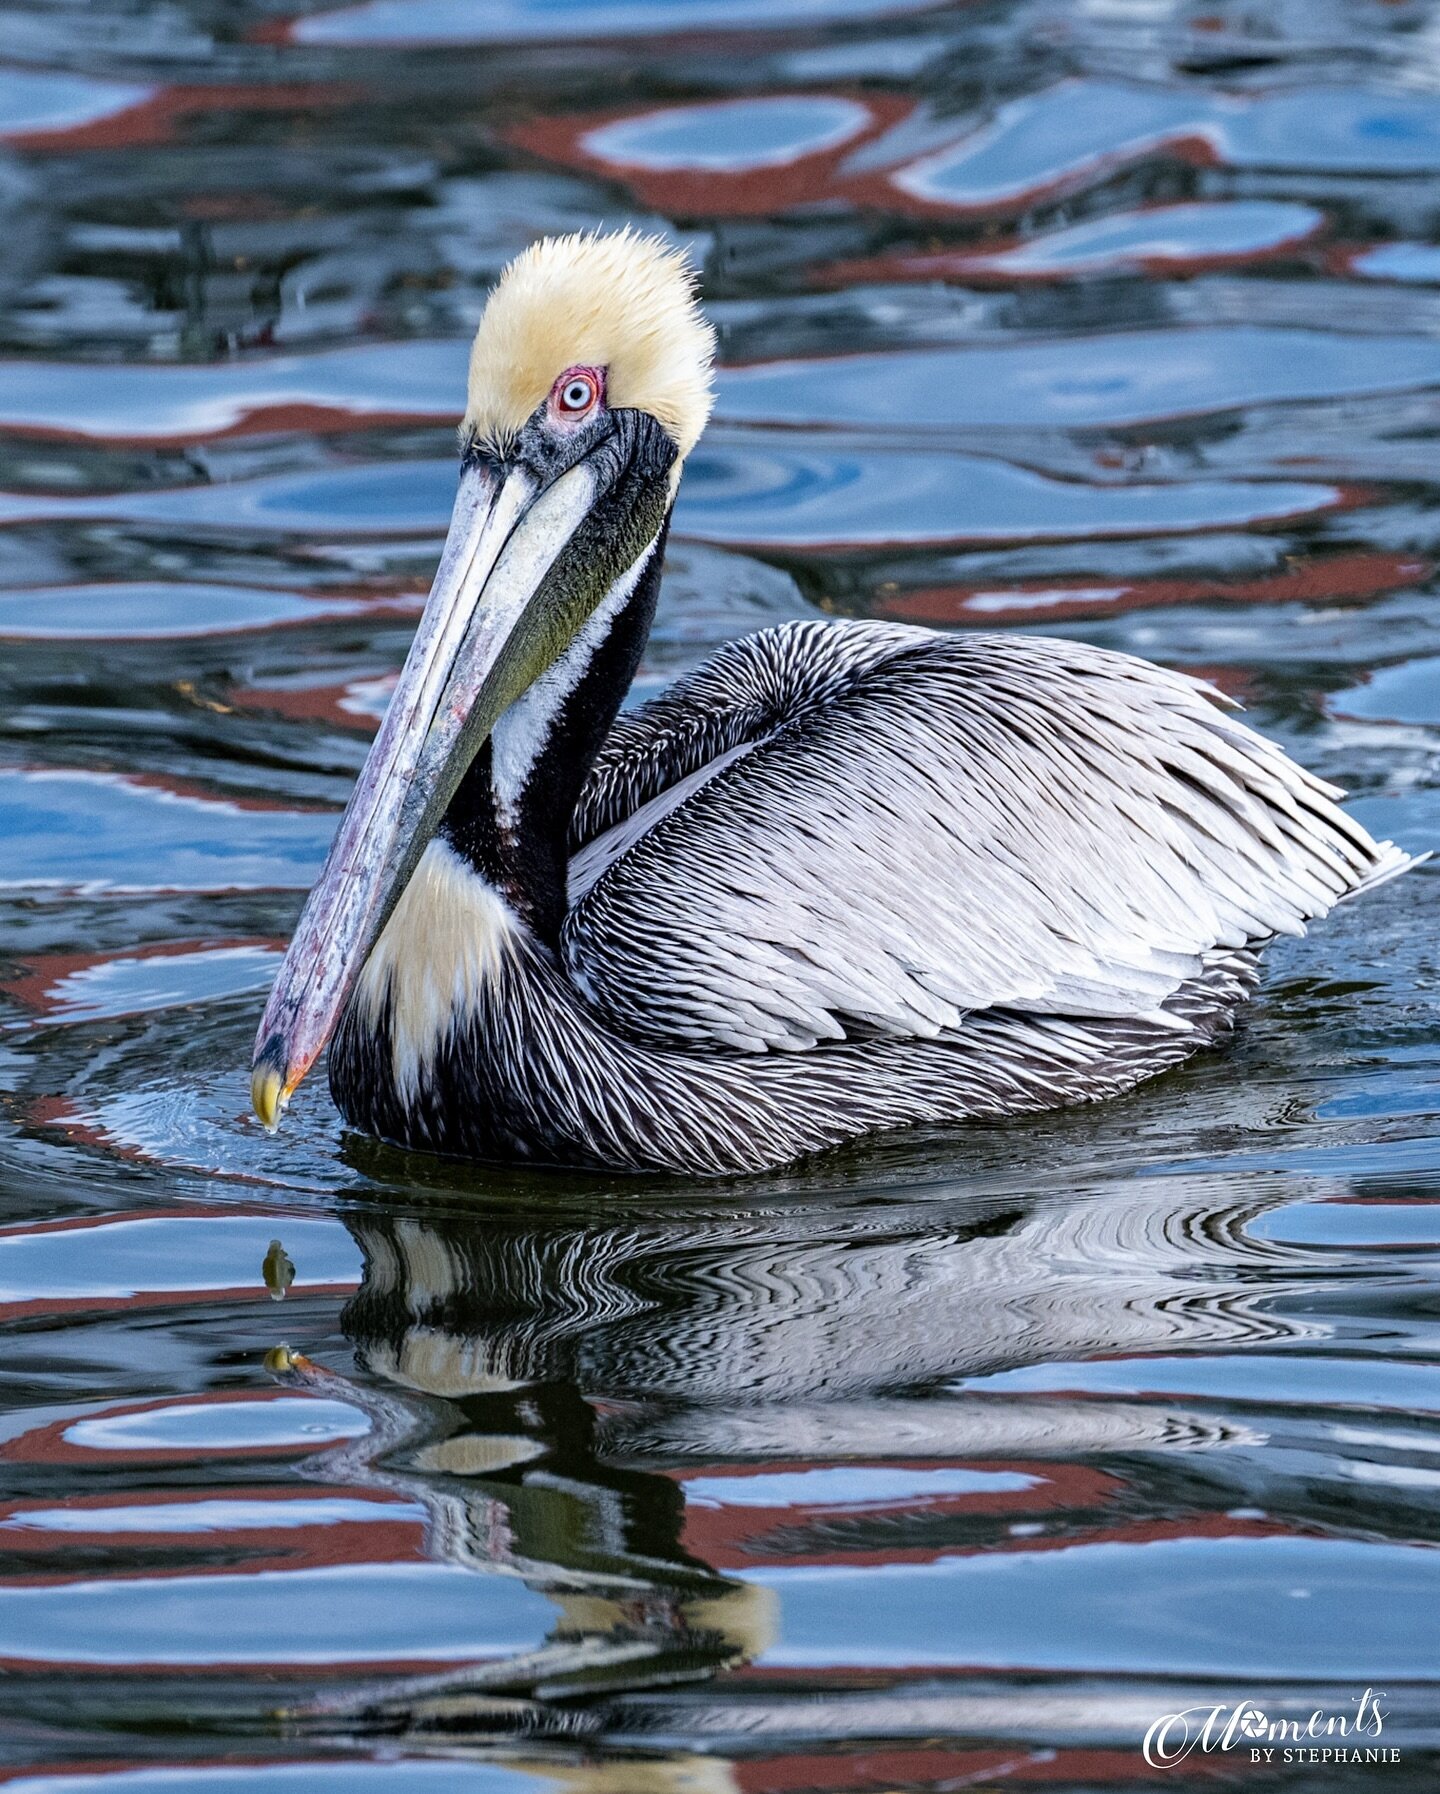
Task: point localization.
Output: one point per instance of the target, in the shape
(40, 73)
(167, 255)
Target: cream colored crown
(622, 302)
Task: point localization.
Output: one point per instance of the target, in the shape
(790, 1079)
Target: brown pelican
(846, 877)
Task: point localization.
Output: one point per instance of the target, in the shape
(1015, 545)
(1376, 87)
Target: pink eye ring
(576, 391)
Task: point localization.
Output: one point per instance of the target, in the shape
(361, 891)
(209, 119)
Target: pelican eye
(576, 392)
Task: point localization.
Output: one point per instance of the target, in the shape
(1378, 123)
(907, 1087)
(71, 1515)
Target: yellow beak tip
(268, 1096)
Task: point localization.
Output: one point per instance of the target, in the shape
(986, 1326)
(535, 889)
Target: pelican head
(589, 385)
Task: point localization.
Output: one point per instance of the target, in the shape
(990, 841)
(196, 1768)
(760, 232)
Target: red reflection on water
(192, 791)
(1321, 579)
(992, 265)
(48, 1444)
(321, 1544)
(103, 1302)
(883, 192)
(102, 598)
(941, 1769)
(873, 1769)
(853, 1534)
(162, 115)
(338, 706)
(740, 1535)
(39, 981)
(777, 184)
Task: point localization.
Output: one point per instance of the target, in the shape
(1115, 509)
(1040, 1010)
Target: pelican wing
(841, 830)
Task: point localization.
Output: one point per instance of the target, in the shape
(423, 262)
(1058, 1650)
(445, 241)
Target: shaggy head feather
(622, 302)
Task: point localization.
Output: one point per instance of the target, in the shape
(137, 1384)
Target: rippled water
(952, 1462)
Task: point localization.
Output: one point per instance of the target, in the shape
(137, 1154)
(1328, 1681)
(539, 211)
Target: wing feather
(842, 829)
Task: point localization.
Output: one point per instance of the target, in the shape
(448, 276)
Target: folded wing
(848, 830)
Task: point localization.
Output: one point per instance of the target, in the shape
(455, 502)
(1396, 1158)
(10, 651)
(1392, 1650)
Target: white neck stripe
(518, 738)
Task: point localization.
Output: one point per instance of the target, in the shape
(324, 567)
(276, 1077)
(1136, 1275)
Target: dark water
(951, 1463)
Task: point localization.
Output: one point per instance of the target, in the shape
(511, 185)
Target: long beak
(470, 659)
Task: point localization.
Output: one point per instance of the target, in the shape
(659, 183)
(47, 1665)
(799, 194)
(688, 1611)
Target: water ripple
(944, 1461)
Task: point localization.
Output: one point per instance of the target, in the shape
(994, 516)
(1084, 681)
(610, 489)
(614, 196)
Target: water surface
(951, 1461)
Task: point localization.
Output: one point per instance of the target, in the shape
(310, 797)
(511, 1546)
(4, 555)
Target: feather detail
(881, 830)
